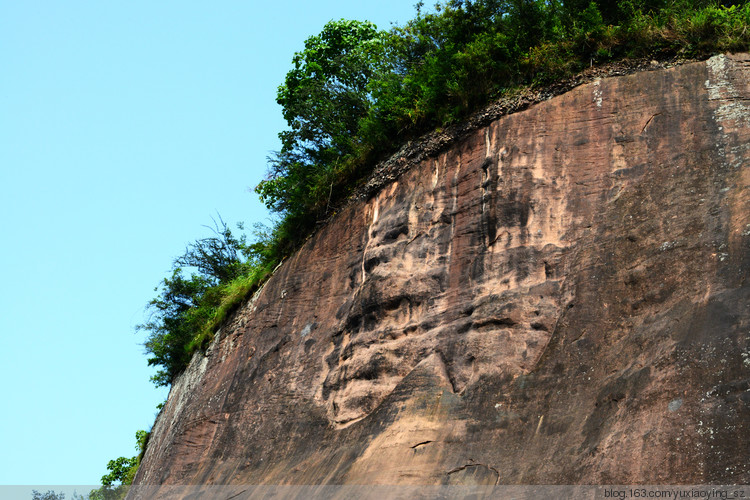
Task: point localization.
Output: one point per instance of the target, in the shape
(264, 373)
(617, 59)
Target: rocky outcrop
(560, 296)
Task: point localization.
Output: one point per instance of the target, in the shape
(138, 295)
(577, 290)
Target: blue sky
(124, 126)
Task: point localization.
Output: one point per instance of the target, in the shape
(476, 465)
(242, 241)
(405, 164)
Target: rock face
(559, 297)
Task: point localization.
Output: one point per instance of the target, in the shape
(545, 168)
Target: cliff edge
(560, 297)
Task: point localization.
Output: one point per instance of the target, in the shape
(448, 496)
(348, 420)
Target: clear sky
(124, 126)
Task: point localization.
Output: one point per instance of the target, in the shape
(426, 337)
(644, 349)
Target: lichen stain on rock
(506, 311)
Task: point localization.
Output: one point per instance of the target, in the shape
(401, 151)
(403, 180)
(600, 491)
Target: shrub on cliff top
(187, 306)
(355, 94)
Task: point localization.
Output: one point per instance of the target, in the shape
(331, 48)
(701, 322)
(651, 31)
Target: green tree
(169, 324)
(324, 97)
(184, 304)
(445, 63)
(325, 94)
(121, 472)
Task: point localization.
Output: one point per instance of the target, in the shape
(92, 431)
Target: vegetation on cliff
(189, 308)
(121, 472)
(355, 93)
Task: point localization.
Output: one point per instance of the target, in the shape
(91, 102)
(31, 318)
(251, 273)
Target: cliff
(560, 296)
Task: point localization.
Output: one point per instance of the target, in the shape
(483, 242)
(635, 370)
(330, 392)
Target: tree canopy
(121, 472)
(324, 97)
(186, 304)
(354, 94)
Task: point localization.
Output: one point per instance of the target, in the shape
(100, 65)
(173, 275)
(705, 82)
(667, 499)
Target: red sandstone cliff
(559, 297)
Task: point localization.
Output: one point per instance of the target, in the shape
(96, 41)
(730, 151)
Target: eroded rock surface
(559, 297)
